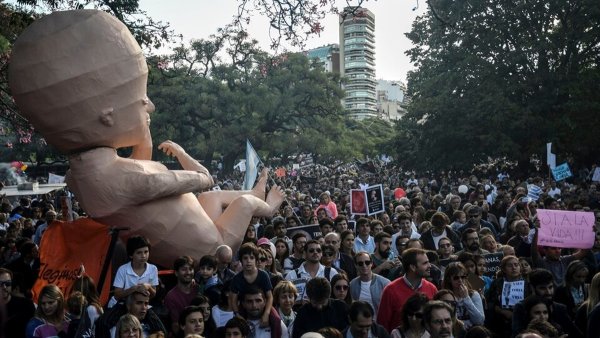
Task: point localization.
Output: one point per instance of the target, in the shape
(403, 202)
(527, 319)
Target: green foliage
(499, 78)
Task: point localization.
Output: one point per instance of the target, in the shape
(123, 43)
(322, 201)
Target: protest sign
(70, 250)
(375, 204)
(562, 172)
(311, 231)
(596, 177)
(492, 263)
(512, 293)
(566, 229)
(358, 202)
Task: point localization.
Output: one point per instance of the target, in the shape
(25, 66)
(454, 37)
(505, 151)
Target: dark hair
(181, 261)
(75, 303)
(339, 219)
(539, 277)
(187, 311)
(341, 276)
(325, 221)
(252, 290)
(330, 332)
(298, 235)
(136, 242)
(404, 215)
(248, 249)
(362, 221)
(478, 332)
(452, 270)
(413, 304)
(312, 241)
(533, 300)
(209, 261)
(360, 307)
(467, 232)
(439, 219)
(278, 221)
(318, 289)
(381, 236)
(409, 257)
(239, 323)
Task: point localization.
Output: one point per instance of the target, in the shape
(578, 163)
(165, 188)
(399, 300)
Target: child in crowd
(136, 276)
(207, 279)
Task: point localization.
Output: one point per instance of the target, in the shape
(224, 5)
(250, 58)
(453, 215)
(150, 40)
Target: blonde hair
(52, 292)
(127, 322)
(594, 293)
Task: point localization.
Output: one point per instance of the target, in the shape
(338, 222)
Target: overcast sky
(196, 19)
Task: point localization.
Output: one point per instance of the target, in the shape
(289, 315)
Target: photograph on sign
(375, 204)
(358, 202)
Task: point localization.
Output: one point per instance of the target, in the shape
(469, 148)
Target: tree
(501, 78)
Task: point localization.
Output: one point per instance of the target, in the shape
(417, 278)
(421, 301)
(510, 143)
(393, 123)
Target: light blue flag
(252, 161)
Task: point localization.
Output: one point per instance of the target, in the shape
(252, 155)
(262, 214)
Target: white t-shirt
(365, 293)
(126, 278)
(265, 332)
(436, 239)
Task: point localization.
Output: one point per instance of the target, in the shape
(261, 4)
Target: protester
(19, 310)
(412, 321)
(438, 318)
(191, 321)
(50, 317)
(362, 324)
(469, 307)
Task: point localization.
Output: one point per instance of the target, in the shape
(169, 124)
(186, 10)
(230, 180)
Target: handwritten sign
(512, 293)
(492, 263)
(566, 229)
(562, 172)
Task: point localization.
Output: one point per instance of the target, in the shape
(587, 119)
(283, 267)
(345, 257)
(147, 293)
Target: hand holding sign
(566, 229)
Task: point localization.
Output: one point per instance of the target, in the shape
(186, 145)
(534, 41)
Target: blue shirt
(368, 246)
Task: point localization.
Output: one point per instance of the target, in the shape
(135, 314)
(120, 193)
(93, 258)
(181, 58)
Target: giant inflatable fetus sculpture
(80, 79)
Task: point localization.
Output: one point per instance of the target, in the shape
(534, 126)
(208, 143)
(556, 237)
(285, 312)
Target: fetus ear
(106, 117)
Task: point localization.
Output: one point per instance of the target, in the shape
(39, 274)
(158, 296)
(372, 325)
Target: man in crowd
(310, 269)
(362, 324)
(340, 223)
(541, 284)
(294, 260)
(137, 304)
(19, 310)
(182, 294)
(439, 229)
(326, 226)
(341, 261)
(224, 256)
(417, 268)
(470, 243)
(321, 311)
(368, 286)
(364, 241)
(280, 232)
(407, 229)
(383, 261)
(475, 221)
(252, 305)
(439, 319)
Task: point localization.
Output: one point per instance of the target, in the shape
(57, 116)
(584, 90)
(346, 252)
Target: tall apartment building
(357, 61)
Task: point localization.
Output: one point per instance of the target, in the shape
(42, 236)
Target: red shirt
(394, 297)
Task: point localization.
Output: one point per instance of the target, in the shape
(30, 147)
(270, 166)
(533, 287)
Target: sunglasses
(363, 263)
(341, 287)
(317, 250)
(457, 277)
(417, 315)
(6, 283)
(328, 254)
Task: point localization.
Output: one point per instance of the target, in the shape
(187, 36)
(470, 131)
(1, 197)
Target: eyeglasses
(363, 263)
(6, 283)
(341, 287)
(313, 250)
(328, 253)
(417, 315)
(457, 277)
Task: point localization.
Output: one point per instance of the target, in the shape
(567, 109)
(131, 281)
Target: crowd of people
(417, 269)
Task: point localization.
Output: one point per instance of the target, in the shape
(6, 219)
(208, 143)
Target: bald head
(224, 255)
(333, 238)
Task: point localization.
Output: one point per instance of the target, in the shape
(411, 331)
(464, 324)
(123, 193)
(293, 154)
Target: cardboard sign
(375, 204)
(492, 263)
(358, 202)
(512, 293)
(562, 172)
(311, 231)
(566, 229)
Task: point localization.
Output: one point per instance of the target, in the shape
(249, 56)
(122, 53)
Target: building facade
(328, 56)
(390, 99)
(357, 61)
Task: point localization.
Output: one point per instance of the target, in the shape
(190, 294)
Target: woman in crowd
(250, 235)
(500, 306)
(412, 319)
(129, 326)
(282, 252)
(376, 227)
(479, 271)
(487, 242)
(469, 306)
(347, 244)
(284, 297)
(49, 319)
(266, 262)
(574, 291)
(191, 321)
(340, 288)
(87, 287)
(326, 203)
(203, 304)
(581, 318)
(539, 309)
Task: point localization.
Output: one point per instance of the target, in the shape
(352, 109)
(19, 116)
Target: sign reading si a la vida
(566, 229)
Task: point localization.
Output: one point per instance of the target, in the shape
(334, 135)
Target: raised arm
(187, 162)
